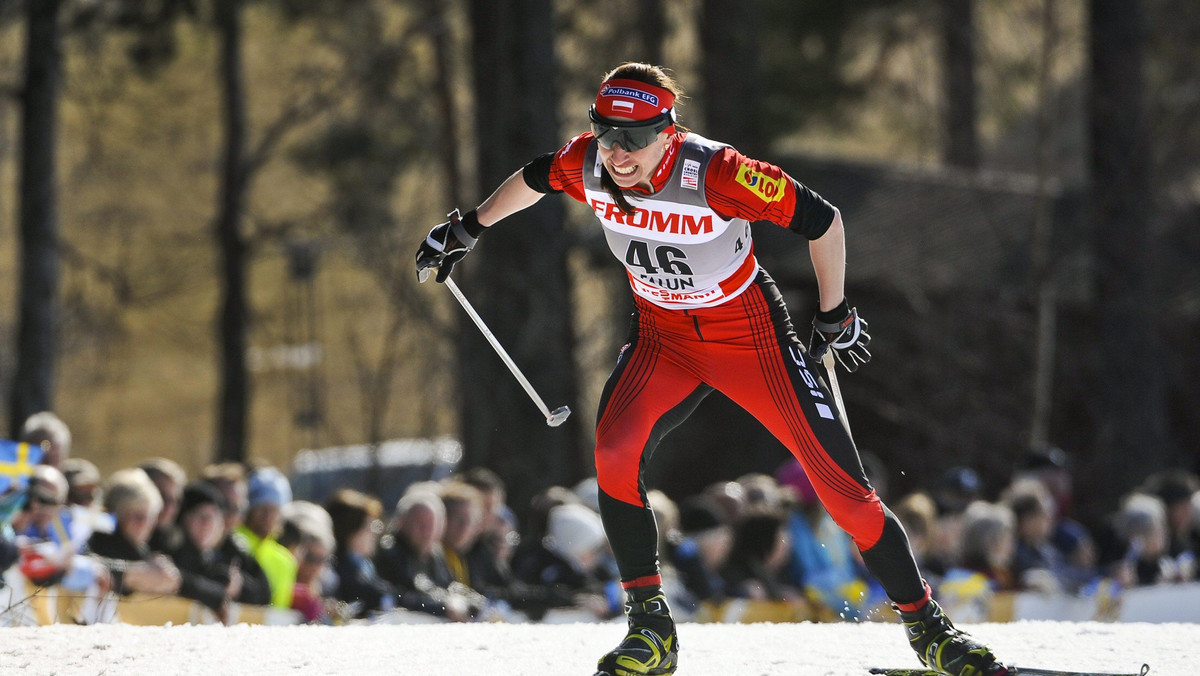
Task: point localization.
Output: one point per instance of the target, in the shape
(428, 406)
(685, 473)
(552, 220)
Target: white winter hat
(575, 530)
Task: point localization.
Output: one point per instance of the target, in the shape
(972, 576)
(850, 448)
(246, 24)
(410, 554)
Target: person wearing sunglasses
(676, 210)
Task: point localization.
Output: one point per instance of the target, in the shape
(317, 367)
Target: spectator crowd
(454, 549)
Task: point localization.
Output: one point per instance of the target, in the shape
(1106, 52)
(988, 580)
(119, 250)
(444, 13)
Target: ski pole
(553, 419)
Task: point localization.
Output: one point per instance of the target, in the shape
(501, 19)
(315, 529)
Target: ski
(1012, 671)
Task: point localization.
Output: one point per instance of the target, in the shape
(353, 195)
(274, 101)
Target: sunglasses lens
(629, 138)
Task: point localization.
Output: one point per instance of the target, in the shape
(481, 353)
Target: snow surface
(568, 650)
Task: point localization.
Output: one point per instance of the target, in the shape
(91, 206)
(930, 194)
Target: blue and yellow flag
(17, 461)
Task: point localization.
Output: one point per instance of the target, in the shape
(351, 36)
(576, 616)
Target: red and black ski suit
(707, 317)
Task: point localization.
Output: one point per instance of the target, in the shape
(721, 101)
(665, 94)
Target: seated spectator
(985, 561)
(822, 559)
(569, 558)
(918, 513)
(1176, 489)
(204, 575)
(49, 541)
(729, 497)
(956, 489)
(1051, 466)
(356, 529)
(1036, 562)
(134, 502)
(762, 492)
(170, 479)
(48, 431)
(698, 550)
(412, 558)
(464, 525)
(755, 568)
(538, 517)
(490, 565)
(83, 483)
(46, 499)
(308, 533)
(497, 517)
(1141, 526)
(230, 480)
(268, 491)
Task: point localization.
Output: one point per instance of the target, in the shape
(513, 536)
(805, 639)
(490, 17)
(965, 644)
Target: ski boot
(941, 646)
(650, 647)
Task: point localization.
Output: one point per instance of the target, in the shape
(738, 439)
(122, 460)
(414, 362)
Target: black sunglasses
(632, 135)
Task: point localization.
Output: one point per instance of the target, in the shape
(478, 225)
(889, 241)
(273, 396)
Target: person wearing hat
(204, 575)
(47, 430)
(566, 560)
(268, 491)
(676, 210)
(50, 541)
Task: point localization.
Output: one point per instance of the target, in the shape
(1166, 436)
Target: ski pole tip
(558, 416)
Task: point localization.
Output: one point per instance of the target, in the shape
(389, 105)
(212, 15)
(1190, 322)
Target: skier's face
(630, 169)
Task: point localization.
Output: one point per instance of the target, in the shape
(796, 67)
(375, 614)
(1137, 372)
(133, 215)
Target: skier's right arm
(450, 242)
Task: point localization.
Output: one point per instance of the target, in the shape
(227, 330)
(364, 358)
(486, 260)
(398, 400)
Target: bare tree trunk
(1044, 285)
(729, 42)
(1131, 419)
(234, 393)
(37, 335)
(444, 90)
(961, 128)
(517, 278)
(652, 29)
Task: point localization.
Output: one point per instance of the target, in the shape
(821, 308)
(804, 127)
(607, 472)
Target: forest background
(208, 210)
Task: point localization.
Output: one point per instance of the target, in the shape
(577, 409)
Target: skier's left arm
(739, 187)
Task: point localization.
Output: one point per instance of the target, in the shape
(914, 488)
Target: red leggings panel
(746, 350)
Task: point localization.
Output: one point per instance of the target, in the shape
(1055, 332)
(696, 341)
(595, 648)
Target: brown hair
(650, 74)
(350, 510)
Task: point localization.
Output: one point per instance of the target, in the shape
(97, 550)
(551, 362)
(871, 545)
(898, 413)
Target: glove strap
(466, 228)
(836, 320)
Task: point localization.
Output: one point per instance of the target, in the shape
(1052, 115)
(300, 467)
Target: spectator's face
(1035, 528)
(715, 545)
(493, 507)
(82, 494)
(367, 538)
(1003, 546)
(43, 508)
(422, 528)
(463, 523)
(313, 560)
(1150, 543)
(262, 519)
(504, 539)
(136, 522)
(171, 491)
(235, 498)
(204, 526)
(1179, 515)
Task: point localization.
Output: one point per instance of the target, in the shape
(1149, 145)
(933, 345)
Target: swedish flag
(16, 464)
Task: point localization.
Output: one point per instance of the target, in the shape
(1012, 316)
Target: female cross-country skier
(676, 209)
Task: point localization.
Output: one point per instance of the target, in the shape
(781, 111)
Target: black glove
(841, 329)
(447, 244)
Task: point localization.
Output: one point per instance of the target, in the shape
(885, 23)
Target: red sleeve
(739, 187)
(566, 171)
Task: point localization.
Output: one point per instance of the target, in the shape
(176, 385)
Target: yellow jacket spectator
(268, 492)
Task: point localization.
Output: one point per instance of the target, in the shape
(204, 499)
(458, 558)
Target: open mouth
(618, 171)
